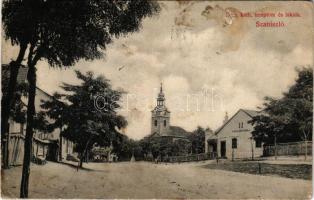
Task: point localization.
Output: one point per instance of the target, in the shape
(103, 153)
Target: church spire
(161, 97)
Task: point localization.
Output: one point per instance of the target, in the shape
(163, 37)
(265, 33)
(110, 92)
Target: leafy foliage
(290, 117)
(82, 122)
(62, 32)
(163, 146)
(126, 147)
(198, 140)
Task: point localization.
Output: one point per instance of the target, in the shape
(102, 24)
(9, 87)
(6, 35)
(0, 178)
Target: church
(160, 122)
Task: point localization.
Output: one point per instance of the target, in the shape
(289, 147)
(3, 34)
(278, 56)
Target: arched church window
(165, 123)
(155, 122)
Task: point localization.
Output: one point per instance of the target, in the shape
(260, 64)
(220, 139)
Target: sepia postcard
(143, 99)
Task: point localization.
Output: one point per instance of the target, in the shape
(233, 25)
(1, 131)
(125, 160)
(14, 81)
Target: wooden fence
(189, 158)
(292, 148)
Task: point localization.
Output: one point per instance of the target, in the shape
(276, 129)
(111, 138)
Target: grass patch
(295, 171)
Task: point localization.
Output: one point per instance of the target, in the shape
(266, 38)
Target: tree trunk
(275, 142)
(31, 77)
(252, 148)
(7, 102)
(60, 147)
(81, 160)
(305, 136)
(305, 153)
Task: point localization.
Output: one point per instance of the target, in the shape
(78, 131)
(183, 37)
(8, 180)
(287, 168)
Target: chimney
(226, 118)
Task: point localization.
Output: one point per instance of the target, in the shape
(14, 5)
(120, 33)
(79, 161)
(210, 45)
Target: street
(148, 180)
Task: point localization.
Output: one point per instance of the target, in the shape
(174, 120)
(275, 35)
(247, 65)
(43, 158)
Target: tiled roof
(177, 131)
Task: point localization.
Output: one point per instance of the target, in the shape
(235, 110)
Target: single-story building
(234, 138)
(51, 146)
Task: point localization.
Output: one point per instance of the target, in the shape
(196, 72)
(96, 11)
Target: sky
(208, 62)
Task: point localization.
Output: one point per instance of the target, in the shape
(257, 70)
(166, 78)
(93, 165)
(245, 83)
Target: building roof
(174, 131)
(177, 131)
(21, 76)
(5, 75)
(250, 113)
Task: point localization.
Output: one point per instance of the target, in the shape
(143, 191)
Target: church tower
(160, 116)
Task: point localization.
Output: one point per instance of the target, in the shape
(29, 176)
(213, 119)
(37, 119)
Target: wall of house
(67, 147)
(16, 149)
(16, 145)
(208, 134)
(246, 146)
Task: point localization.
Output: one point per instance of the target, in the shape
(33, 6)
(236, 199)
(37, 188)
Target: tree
(161, 147)
(269, 128)
(290, 117)
(63, 32)
(299, 102)
(126, 147)
(18, 27)
(83, 122)
(54, 109)
(197, 139)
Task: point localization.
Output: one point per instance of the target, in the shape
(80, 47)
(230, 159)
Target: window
(155, 122)
(241, 125)
(165, 123)
(234, 143)
(258, 143)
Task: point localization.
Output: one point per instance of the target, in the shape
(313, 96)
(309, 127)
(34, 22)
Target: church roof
(177, 131)
(174, 131)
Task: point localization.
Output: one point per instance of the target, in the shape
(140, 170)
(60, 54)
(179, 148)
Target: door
(223, 149)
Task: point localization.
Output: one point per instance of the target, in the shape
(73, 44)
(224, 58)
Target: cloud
(207, 66)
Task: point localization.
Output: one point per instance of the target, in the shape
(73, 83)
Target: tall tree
(197, 139)
(289, 118)
(299, 103)
(54, 109)
(63, 32)
(18, 27)
(84, 123)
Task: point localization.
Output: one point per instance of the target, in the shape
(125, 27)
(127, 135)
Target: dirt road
(147, 180)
